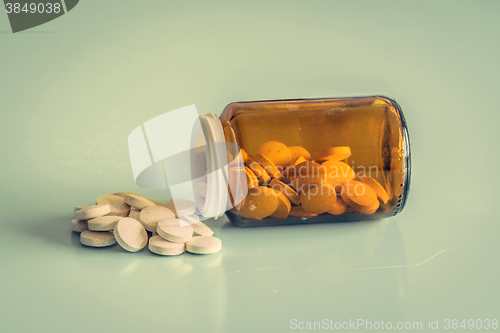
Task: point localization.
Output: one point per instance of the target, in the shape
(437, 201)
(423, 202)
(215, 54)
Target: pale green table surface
(74, 88)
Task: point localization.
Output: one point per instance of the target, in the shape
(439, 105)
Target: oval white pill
(103, 223)
(116, 204)
(150, 216)
(156, 202)
(171, 230)
(193, 217)
(123, 194)
(77, 208)
(163, 247)
(189, 219)
(91, 212)
(138, 202)
(204, 245)
(184, 206)
(79, 225)
(97, 238)
(134, 213)
(170, 205)
(201, 229)
(130, 234)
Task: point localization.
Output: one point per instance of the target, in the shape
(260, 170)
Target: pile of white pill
(125, 218)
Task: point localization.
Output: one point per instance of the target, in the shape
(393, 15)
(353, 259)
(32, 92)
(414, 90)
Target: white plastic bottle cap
(208, 133)
(189, 152)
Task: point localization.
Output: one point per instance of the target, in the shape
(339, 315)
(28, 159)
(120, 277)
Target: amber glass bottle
(373, 128)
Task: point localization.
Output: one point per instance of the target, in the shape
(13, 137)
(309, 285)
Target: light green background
(74, 88)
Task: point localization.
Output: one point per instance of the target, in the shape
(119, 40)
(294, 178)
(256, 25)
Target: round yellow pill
(299, 211)
(297, 151)
(283, 208)
(290, 169)
(244, 155)
(277, 152)
(268, 165)
(334, 153)
(370, 209)
(306, 174)
(286, 190)
(259, 171)
(252, 180)
(338, 172)
(318, 199)
(260, 202)
(359, 196)
(338, 208)
(379, 189)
